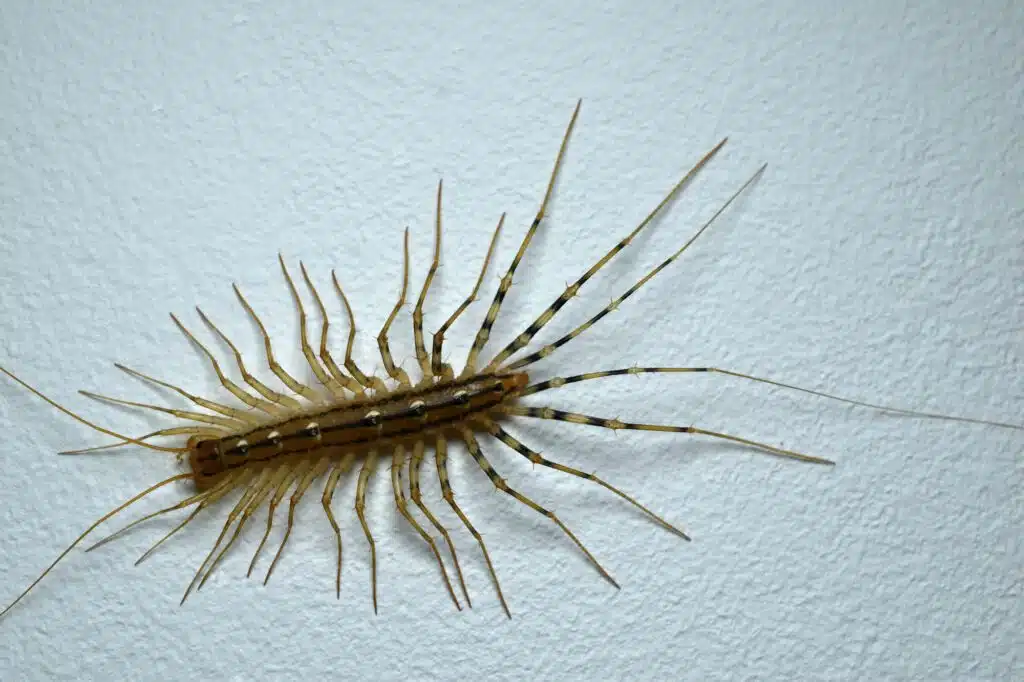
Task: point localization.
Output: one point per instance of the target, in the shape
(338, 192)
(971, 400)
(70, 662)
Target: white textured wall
(152, 156)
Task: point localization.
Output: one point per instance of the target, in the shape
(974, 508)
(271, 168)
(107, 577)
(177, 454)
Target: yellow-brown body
(356, 426)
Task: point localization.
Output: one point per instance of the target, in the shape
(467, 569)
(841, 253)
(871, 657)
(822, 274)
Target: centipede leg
(267, 406)
(414, 492)
(232, 515)
(426, 375)
(279, 401)
(535, 457)
(398, 461)
(552, 347)
(395, 372)
(571, 290)
(326, 499)
(317, 470)
(500, 484)
(231, 412)
(257, 494)
(329, 381)
(617, 425)
(216, 493)
(352, 383)
(364, 477)
(441, 461)
(282, 482)
(438, 366)
(121, 507)
(288, 380)
(198, 498)
(374, 383)
(506, 282)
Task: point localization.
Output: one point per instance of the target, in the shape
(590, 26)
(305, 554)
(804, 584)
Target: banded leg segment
(426, 376)
(180, 414)
(203, 431)
(230, 412)
(279, 400)
(617, 425)
(282, 482)
(227, 483)
(500, 484)
(397, 463)
(441, 461)
(414, 492)
(558, 382)
(256, 494)
(330, 382)
(328, 496)
(506, 282)
(396, 373)
(571, 291)
(438, 366)
(325, 354)
(288, 380)
(535, 457)
(364, 477)
(270, 407)
(232, 516)
(371, 382)
(82, 420)
(121, 507)
(312, 474)
(216, 493)
(552, 347)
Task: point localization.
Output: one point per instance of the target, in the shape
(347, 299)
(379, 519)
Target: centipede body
(276, 443)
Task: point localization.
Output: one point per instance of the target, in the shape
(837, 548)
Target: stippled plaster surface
(153, 153)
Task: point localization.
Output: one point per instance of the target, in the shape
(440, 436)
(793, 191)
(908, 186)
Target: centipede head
(204, 461)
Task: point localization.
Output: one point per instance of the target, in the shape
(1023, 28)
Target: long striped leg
(426, 376)
(570, 291)
(180, 414)
(82, 420)
(414, 492)
(353, 385)
(326, 499)
(232, 515)
(315, 472)
(288, 380)
(218, 492)
(441, 461)
(372, 382)
(616, 425)
(257, 495)
(282, 482)
(268, 406)
(438, 366)
(558, 382)
(552, 347)
(121, 507)
(280, 401)
(203, 431)
(535, 457)
(231, 412)
(397, 462)
(227, 483)
(500, 484)
(506, 282)
(323, 376)
(396, 373)
(364, 477)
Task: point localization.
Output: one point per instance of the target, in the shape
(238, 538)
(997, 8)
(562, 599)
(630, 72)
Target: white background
(153, 156)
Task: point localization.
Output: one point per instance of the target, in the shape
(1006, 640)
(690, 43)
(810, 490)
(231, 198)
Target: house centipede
(275, 443)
